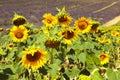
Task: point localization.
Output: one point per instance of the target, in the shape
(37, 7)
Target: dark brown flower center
(82, 25)
(19, 21)
(68, 34)
(52, 43)
(94, 26)
(102, 57)
(49, 21)
(19, 35)
(10, 45)
(62, 19)
(33, 58)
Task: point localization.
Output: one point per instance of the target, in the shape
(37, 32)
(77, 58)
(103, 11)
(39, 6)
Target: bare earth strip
(113, 21)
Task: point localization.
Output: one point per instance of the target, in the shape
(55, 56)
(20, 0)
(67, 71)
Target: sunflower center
(49, 21)
(10, 45)
(19, 35)
(102, 57)
(94, 26)
(19, 21)
(83, 25)
(33, 58)
(62, 19)
(68, 34)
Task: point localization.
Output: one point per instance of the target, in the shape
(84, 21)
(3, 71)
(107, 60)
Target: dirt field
(101, 10)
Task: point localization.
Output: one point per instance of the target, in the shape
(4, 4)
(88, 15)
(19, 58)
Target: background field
(101, 10)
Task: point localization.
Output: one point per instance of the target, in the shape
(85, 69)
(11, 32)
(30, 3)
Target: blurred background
(101, 10)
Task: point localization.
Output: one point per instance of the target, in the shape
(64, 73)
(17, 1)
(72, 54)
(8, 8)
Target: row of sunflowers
(63, 48)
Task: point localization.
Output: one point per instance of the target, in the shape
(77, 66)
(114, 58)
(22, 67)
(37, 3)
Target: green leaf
(71, 73)
(97, 76)
(112, 75)
(82, 57)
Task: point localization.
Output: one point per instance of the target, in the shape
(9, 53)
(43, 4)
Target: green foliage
(71, 54)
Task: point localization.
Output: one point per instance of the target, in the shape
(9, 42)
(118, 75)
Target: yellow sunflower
(115, 33)
(49, 20)
(19, 34)
(108, 41)
(64, 18)
(68, 34)
(34, 58)
(83, 25)
(104, 58)
(10, 46)
(101, 40)
(94, 27)
(1, 29)
(18, 20)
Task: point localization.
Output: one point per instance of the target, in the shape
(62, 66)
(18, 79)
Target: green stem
(52, 56)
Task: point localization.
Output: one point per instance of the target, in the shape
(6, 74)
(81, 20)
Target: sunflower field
(63, 48)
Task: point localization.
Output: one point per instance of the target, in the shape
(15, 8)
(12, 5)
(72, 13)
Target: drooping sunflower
(19, 34)
(83, 25)
(63, 17)
(104, 58)
(68, 34)
(18, 20)
(49, 20)
(94, 27)
(52, 43)
(34, 58)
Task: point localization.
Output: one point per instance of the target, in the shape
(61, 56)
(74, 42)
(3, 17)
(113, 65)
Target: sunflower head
(83, 25)
(19, 34)
(52, 43)
(49, 20)
(68, 35)
(34, 58)
(10, 46)
(63, 17)
(104, 58)
(1, 29)
(115, 33)
(94, 27)
(18, 20)
(108, 41)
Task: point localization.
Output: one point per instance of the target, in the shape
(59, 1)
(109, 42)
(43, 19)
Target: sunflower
(52, 43)
(49, 20)
(34, 58)
(68, 34)
(83, 25)
(1, 29)
(114, 33)
(101, 40)
(18, 20)
(64, 20)
(104, 58)
(94, 27)
(19, 34)
(108, 41)
(63, 17)
(10, 46)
